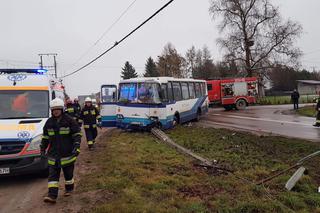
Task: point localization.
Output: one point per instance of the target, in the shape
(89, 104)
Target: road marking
(263, 119)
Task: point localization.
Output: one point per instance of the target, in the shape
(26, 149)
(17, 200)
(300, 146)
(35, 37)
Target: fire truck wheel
(241, 104)
(228, 107)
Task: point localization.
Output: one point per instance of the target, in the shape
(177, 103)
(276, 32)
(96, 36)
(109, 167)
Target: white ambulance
(24, 108)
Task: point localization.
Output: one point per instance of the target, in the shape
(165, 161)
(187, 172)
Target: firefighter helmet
(56, 104)
(88, 99)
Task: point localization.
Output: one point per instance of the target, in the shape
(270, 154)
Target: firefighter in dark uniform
(71, 110)
(317, 123)
(89, 116)
(78, 109)
(61, 145)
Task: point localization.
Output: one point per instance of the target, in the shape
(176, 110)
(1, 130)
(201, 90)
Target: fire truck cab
(235, 93)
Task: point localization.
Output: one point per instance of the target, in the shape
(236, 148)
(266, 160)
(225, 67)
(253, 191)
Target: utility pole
(41, 61)
(54, 55)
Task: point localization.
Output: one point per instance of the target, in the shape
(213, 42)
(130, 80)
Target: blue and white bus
(142, 103)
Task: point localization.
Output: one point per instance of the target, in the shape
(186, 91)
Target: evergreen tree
(128, 71)
(151, 68)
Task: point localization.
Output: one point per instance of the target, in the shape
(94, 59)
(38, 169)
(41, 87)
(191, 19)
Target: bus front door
(109, 100)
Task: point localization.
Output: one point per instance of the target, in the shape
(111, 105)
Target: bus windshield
(24, 104)
(144, 93)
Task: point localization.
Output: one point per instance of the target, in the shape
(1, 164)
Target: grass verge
(279, 100)
(142, 175)
(308, 111)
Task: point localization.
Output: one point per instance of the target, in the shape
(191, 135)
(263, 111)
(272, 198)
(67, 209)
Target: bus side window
(177, 91)
(185, 91)
(192, 90)
(164, 93)
(204, 89)
(198, 90)
(170, 92)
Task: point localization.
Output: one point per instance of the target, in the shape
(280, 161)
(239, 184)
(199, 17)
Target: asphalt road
(276, 120)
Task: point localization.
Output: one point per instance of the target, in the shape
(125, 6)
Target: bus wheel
(176, 120)
(159, 125)
(198, 115)
(241, 104)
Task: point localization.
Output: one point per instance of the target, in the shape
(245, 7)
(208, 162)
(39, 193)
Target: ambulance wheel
(44, 173)
(241, 104)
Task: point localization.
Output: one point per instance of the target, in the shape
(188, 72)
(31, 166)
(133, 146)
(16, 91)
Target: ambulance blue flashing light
(41, 71)
(35, 71)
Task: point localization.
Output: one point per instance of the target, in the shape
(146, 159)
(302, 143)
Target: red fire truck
(236, 93)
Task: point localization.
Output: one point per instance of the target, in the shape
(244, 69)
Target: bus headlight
(35, 143)
(119, 116)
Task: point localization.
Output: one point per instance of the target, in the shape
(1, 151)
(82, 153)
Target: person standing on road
(89, 116)
(61, 145)
(295, 99)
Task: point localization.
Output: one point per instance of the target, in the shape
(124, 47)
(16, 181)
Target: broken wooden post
(163, 137)
(295, 178)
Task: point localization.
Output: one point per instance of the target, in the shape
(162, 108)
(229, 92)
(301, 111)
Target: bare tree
(255, 35)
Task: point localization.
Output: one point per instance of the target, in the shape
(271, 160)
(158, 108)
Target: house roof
(309, 82)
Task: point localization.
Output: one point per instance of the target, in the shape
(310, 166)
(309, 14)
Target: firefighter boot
(90, 145)
(49, 199)
(67, 193)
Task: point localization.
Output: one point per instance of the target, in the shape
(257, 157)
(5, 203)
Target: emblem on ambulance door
(17, 77)
(23, 135)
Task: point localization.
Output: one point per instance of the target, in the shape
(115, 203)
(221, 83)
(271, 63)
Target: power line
(118, 42)
(104, 33)
(110, 28)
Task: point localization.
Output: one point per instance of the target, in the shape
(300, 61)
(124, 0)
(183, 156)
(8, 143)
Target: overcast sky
(71, 27)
